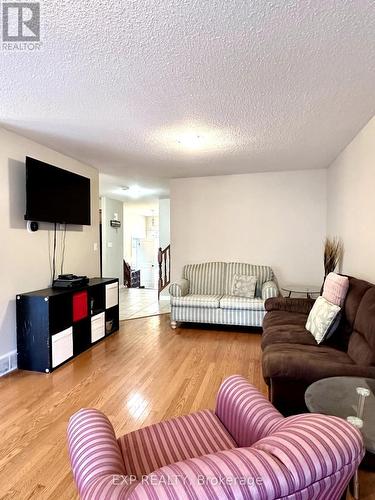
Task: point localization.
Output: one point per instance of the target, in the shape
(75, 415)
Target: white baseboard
(8, 363)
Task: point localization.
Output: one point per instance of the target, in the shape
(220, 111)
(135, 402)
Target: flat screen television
(56, 195)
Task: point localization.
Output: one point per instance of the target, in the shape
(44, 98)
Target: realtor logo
(21, 22)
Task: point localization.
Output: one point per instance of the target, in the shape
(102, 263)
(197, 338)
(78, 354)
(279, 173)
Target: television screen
(56, 195)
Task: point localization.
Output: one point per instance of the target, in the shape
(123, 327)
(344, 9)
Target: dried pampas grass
(333, 254)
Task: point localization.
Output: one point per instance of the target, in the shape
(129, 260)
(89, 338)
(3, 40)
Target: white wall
(276, 219)
(112, 239)
(164, 222)
(351, 203)
(134, 227)
(24, 257)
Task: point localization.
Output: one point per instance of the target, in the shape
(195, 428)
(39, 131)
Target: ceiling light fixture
(194, 138)
(191, 141)
(134, 191)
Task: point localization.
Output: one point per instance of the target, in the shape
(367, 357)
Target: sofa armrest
(309, 453)
(179, 288)
(287, 304)
(95, 457)
(269, 290)
(319, 446)
(245, 412)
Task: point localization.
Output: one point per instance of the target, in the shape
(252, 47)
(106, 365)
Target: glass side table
(307, 290)
(338, 396)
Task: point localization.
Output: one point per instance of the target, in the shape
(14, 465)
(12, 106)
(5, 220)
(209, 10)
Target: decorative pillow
(333, 328)
(244, 286)
(321, 317)
(336, 288)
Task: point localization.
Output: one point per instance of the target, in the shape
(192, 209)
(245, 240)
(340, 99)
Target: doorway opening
(146, 230)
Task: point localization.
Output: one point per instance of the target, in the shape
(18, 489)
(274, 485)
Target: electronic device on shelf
(68, 276)
(70, 281)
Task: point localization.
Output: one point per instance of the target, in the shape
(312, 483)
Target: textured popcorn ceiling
(268, 85)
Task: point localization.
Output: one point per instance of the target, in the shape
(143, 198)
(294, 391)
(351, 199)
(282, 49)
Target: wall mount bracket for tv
(32, 226)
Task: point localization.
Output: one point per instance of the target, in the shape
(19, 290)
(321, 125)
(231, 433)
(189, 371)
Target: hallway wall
(112, 239)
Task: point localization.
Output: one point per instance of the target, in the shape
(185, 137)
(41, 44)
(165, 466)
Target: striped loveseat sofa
(203, 295)
(245, 449)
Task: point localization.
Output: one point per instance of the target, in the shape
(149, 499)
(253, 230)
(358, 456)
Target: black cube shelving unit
(56, 325)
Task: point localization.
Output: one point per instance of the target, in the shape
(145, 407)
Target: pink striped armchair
(245, 449)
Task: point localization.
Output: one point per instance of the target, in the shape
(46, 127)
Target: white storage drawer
(111, 295)
(97, 327)
(62, 346)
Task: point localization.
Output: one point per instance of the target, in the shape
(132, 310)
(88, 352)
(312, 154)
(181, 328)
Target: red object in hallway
(80, 306)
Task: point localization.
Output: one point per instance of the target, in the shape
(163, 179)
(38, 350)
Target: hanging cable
(54, 252)
(49, 254)
(63, 250)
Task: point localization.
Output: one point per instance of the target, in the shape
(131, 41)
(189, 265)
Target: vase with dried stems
(333, 254)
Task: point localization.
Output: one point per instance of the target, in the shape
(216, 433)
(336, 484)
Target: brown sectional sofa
(292, 360)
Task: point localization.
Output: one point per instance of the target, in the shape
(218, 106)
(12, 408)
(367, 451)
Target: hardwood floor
(143, 374)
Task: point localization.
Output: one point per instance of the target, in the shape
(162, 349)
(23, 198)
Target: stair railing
(164, 259)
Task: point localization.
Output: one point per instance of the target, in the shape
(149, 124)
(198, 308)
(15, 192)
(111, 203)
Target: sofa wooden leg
(173, 325)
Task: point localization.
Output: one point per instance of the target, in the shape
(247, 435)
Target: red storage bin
(80, 306)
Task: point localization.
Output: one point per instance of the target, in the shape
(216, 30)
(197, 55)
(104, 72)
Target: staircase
(164, 259)
(132, 278)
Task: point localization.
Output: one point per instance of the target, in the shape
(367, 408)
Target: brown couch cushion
(309, 363)
(362, 341)
(287, 334)
(302, 306)
(357, 289)
(276, 318)
(289, 327)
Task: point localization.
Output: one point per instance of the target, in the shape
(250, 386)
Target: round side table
(338, 396)
(307, 290)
